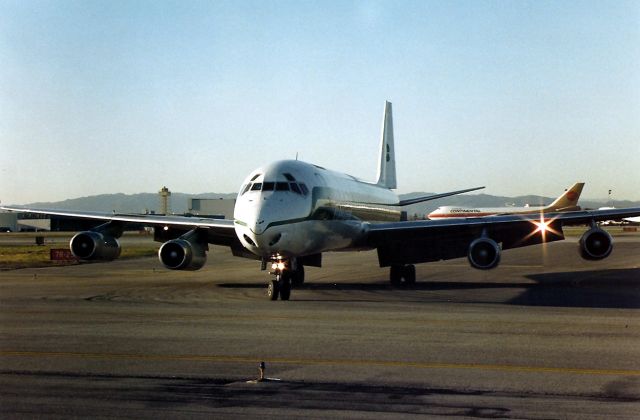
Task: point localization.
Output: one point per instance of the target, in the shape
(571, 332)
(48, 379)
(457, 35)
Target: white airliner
(568, 201)
(289, 212)
(619, 222)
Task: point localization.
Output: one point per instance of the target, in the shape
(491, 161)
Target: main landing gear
(286, 278)
(403, 275)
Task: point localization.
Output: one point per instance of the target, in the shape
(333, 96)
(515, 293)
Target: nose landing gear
(286, 277)
(280, 286)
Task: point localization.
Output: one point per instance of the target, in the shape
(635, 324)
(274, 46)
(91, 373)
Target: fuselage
(445, 212)
(292, 208)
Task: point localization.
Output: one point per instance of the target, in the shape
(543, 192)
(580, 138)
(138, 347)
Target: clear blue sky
(127, 96)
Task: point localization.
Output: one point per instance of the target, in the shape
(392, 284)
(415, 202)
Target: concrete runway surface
(544, 335)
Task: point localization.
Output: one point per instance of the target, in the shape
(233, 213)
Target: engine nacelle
(595, 244)
(181, 254)
(484, 253)
(91, 245)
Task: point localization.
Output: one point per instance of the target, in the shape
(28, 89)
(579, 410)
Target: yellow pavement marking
(325, 362)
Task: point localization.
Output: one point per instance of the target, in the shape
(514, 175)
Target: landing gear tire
(273, 290)
(409, 272)
(395, 275)
(402, 275)
(297, 277)
(284, 283)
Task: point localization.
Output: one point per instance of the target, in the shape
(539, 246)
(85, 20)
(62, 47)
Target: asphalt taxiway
(544, 335)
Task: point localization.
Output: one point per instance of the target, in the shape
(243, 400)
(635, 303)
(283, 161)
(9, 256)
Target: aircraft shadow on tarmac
(353, 397)
(616, 288)
(341, 398)
(619, 288)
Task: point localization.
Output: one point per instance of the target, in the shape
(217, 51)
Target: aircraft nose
(258, 227)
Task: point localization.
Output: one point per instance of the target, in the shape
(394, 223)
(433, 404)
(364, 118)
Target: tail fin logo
(572, 195)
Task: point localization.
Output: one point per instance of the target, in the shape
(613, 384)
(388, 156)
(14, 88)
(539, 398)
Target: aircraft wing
(219, 230)
(433, 240)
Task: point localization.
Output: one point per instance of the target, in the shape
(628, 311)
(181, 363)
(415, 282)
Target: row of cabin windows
(298, 188)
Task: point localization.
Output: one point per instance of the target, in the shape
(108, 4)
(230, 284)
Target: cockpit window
(268, 186)
(298, 188)
(282, 186)
(289, 177)
(254, 177)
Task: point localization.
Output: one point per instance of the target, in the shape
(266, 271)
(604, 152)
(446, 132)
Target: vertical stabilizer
(387, 159)
(569, 200)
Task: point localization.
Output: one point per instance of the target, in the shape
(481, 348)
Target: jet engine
(92, 245)
(595, 244)
(484, 253)
(182, 254)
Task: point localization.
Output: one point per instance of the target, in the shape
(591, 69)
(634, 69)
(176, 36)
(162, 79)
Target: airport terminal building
(14, 222)
(220, 208)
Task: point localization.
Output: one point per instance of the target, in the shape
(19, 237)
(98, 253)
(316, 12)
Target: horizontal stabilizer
(434, 197)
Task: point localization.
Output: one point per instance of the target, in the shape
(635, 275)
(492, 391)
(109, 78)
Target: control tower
(165, 200)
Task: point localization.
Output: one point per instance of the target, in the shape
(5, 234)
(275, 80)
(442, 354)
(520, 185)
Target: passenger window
(304, 189)
(295, 188)
(268, 186)
(282, 186)
(256, 187)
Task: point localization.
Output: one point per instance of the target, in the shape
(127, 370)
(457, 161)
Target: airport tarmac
(544, 335)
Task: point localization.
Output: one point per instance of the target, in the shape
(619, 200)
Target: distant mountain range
(143, 202)
(127, 203)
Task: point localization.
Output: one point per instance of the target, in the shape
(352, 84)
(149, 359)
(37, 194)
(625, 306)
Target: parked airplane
(288, 213)
(568, 201)
(632, 220)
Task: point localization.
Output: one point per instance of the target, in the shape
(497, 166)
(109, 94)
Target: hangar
(16, 222)
(218, 208)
